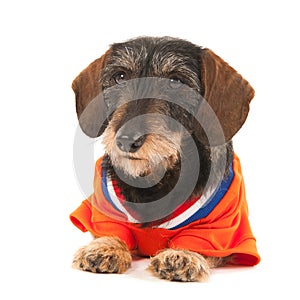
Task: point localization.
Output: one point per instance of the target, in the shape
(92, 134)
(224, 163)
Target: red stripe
(179, 210)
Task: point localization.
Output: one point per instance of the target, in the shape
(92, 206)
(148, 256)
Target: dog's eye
(175, 82)
(120, 77)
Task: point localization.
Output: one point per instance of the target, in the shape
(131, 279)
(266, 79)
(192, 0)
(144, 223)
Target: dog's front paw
(180, 265)
(103, 255)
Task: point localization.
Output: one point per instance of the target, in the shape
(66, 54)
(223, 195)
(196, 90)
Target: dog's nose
(129, 143)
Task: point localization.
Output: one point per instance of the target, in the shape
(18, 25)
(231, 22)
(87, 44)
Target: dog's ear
(228, 95)
(90, 106)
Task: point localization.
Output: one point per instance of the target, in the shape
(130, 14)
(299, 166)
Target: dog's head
(141, 93)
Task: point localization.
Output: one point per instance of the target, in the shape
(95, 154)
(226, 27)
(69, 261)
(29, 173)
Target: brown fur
(158, 148)
(103, 255)
(161, 143)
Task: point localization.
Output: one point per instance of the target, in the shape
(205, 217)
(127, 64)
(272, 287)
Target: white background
(45, 44)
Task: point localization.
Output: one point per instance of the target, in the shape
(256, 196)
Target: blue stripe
(210, 203)
(105, 190)
(203, 212)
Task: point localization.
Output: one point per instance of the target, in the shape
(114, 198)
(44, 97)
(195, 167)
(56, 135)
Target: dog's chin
(135, 167)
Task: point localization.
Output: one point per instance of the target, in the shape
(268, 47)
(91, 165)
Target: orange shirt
(225, 230)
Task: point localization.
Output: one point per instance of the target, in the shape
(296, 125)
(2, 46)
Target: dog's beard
(158, 154)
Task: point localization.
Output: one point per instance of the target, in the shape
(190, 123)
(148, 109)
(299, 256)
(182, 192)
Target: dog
(169, 185)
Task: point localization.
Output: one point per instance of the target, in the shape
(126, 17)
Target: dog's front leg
(183, 265)
(103, 255)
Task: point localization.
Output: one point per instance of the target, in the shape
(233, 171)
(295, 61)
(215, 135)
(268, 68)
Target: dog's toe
(103, 255)
(180, 265)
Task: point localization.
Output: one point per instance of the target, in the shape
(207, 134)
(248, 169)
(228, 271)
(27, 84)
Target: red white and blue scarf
(188, 212)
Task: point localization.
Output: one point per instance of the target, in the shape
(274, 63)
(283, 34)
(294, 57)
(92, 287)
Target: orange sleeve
(83, 218)
(226, 230)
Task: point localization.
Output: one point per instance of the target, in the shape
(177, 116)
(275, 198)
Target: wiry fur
(103, 255)
(167, 58)
(165, 146)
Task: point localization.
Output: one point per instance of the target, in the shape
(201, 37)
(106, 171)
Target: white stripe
(117, 202)
(168, 224)
(187, 213)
